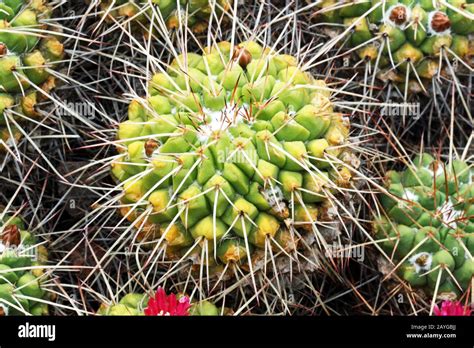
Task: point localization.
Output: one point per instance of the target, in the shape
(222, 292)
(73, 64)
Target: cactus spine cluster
(428, 225)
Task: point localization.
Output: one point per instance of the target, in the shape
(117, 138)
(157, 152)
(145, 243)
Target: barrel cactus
(406, 38)
(193, 13)
(21, 291)
(428, 225)
(28, 53)
(235, 156)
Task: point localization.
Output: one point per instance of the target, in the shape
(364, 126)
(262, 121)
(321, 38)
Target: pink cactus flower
(451, 308)
(167, 305)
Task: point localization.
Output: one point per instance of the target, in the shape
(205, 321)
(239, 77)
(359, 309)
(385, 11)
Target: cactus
(21, 288)
(132, 304)
(193, 13)
(406, 36)
(235, 154)
(428, 226)
(204, 308)
(27, 54)
(161, 304)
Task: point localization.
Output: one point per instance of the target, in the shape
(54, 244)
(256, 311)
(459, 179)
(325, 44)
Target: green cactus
(232, 151)
(428, 224)
(19, 285)
(204, 308)
(27, 54)
(174, 12)
(405, 34)
(131, 304)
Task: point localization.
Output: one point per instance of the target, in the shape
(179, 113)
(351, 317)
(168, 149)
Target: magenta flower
(167, 305)
(451, 308)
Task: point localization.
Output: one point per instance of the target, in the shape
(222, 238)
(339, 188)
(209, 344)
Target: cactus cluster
(406, 37)
(234, 153)
(28, 53)
(21, 289)
(193, 13)
(428, 225)
(234, 179)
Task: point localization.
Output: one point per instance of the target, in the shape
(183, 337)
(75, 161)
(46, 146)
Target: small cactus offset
(130, 305)
(204, 308)
(28, 53)
(428, 225)
(410, 39)
(194, 14)
(21, 291)
(235, 156)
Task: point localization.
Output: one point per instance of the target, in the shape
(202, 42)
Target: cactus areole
(428, 227)
(234, 152)
(406, 36)
(28, 51)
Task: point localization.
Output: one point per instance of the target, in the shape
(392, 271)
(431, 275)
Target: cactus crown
(428, 225)
(235, 153)
(27, 53)
(19, 286)
(405, 35)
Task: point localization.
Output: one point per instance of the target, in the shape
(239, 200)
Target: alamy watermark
(28, 330)
(24, 251)
(392, 109)
(81, 109)
(338, 251)
(240, 156)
